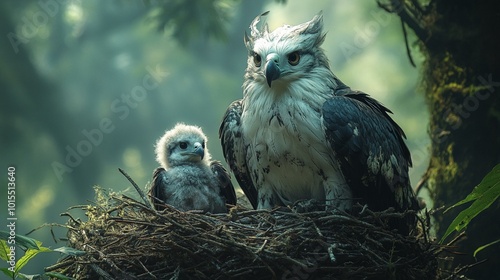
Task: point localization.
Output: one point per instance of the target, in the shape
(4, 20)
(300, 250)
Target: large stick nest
(127, 239)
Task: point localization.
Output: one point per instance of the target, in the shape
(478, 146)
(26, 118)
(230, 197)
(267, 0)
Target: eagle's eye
(257, 60)
(294, 58)
(183, 145)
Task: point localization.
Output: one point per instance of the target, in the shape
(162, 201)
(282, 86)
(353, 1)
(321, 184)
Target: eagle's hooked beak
(272, 70)
(198, 150)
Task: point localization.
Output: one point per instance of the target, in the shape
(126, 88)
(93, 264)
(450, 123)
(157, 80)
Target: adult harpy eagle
(187, 178)
(300, 133)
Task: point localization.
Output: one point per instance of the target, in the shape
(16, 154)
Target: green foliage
(483, 196)
(21, 240)
(32, 248)
(4, 251)
(187, 20)
(485, 246)
(29, 254)
(70, 251)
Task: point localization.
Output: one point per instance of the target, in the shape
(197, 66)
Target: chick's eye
(203, 144)
(183, 145)
(257, 60)
(294, 58)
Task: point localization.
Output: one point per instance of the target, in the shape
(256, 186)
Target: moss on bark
(462, 82)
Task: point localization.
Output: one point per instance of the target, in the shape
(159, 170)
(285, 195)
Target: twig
(59, 265)
(408, 50)
(457, 238)
(418, 6)
(71, 217)
(407, 16)
(141, 193)
(422, 182)
(101, 272)
(147, 271)
(459, 270)
(261, 247)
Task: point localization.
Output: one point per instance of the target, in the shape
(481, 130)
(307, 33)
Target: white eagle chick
(187, 178)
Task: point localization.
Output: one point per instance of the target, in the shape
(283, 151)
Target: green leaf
(21, 240)
(7, 272)
(28, 277)
(70, 251)
(30, 253)
(4, 250)
(485, 246)
(486, 184)
(483, 196)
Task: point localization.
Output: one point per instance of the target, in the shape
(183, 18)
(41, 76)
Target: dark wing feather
(225, 184)
(235, 150)
(370, 147)
(156, 192)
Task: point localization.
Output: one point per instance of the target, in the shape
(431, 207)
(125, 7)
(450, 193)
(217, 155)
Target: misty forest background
(121, 73)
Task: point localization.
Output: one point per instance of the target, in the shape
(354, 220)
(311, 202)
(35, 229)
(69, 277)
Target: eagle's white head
(289, 58)
(183, 144)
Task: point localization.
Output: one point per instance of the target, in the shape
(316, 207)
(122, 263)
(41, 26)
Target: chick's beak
(198, 150)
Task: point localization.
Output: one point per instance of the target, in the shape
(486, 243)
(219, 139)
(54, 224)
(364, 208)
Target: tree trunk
(462, 83)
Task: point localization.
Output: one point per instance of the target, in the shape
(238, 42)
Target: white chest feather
(287, 148)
